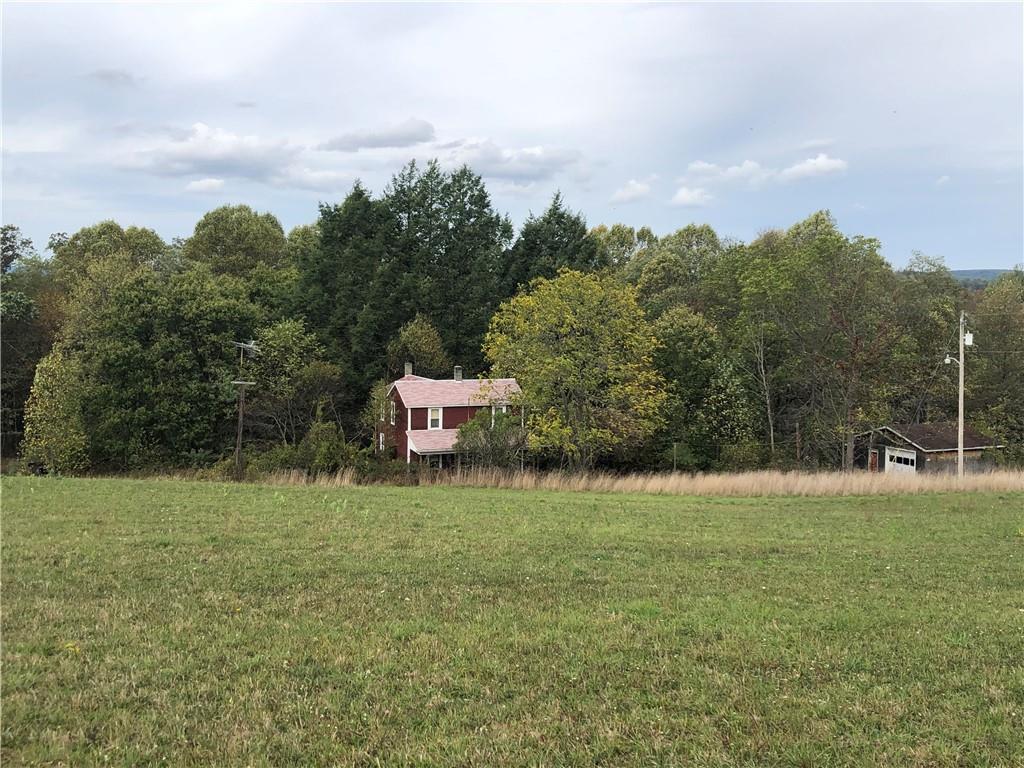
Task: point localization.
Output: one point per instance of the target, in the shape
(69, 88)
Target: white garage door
(900, 460)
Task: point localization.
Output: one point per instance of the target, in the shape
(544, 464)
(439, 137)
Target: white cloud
(407, 134)
(749, 171)
(755, 174)
(317, 180)
(521, 166)
(942, 181)
(204, 185)
(703, 168)
(821, 165)
(631, 191)
(691, 197)
(216, 153)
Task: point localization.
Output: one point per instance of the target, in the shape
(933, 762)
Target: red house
(424, 415)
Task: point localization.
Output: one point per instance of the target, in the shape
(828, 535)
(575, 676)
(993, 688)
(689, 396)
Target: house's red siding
(401, 420)
(419, 418)
(452, 418)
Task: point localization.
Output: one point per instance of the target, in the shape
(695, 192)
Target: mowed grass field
(180, 623)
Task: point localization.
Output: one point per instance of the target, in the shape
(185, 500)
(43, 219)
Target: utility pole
(239, 467)
(966, 340)
(960, 407)
(241, 384)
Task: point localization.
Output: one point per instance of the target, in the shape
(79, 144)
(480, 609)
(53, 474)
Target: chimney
(458, 373)
(408, 369)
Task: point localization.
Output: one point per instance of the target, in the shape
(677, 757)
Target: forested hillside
(118, 347)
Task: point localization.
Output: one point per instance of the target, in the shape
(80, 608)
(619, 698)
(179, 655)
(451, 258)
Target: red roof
(424, 441)
(418, 392)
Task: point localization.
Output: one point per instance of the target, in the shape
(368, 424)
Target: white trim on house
(408, 441)
(440, 416)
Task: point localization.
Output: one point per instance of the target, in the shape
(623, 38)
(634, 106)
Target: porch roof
(429, 441)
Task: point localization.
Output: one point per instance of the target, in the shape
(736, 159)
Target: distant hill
(977, 277)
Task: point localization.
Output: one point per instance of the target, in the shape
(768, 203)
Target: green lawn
(167, 622)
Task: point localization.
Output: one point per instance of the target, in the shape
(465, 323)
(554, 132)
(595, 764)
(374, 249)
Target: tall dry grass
(762, 483)
(748, 484)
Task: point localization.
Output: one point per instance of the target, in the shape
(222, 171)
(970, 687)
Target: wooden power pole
(243, 347)
(239, 465)
(960, 409)
(966, 340)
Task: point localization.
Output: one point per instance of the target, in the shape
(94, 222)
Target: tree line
(634, 351)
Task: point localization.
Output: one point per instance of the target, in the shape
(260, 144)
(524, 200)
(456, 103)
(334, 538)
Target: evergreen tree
(465, 281)
(555, 240)
(337, 270)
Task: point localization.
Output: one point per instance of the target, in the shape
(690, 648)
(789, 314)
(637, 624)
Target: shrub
(487, 440)
(55, 437)
(323, 450)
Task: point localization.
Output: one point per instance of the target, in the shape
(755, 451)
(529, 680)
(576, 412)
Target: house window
(380, 442)
(434, 418)
(392, 413)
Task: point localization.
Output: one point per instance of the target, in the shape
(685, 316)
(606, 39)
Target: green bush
(323, 450)
(55, 437)
(742, 457)
(221, 470)
(492, 440)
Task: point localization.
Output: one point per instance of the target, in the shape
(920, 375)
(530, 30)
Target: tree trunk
(848, 451)
(762, 374)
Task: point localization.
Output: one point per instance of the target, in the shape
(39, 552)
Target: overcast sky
(905, 121)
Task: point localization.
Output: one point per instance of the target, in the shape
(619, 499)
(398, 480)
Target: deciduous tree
(419, 343)
(582, 352)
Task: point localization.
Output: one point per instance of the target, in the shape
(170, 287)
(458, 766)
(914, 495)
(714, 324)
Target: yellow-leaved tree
(582, 351)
